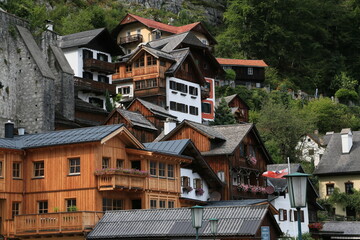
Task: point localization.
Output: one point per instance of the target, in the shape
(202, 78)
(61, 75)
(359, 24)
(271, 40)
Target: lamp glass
(297, 183)
(214, 225)
(197, 216)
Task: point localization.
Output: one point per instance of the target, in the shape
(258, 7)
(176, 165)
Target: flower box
(187, 189)
(121, 171)
(199, 191)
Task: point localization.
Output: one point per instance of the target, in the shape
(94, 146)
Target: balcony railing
(90, 85)
(122, 181)
(131, 38)
(94, 65)
(52, 223)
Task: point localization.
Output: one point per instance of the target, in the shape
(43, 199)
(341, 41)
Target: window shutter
(302, 216)
(194, 183)
(285, 214)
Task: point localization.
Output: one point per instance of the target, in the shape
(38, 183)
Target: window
(194, 110)
(16, 170)
(162, 169)
(170, 170)
(198, 183)
(311, 152)
(151, 83)
(185, 181)
(74, 166)
(124, 90)
(138, 31)
(242, 150)
(204, 41)
(88, 75)
(349, 186)
(102, 57)
(43, 207)
(173, 106)
(136, 165)
(112, 204)
(39, 169)
(152, 204)
(139, 62)
(250, 71)
(193, 90)
(15, 209)
(172, 85)
(140, 84)
(96, 102)
(282, 214)
(171, 204)
(105, 162)
(153, 168)
(251, 150)
(162, 63)
(151, 60)
(162, 204)
(206, 107)
(87, 54)
(71, 205)
(180, 107)
(128, 68)
(119, 163)
(1, 169)
(329, 189)
(301, 216)
(181, 87)
(291, 213)
(102, 78)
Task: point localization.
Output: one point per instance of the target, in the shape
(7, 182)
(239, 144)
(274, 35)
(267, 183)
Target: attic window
(151, 61)
(139, 62)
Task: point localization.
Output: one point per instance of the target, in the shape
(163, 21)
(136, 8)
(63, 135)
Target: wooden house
(238, 107)
(152, 112)
(133, 30)
(135, 122)
(235, 152)
(58, 184)
(250, 73)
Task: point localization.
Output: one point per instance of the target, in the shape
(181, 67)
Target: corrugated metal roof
(233, 221)
(80, 38)
(173, 147)
(136, 119)
(79, 135)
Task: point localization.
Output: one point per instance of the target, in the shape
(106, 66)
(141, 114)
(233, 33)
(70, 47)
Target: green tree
(223, 115)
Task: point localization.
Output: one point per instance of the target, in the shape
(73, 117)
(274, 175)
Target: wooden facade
(242, 112)
(39, 186)
(236, 167)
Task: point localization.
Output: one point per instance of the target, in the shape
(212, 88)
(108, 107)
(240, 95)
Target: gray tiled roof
(245, 202)
(136, 119)
(80, 38)
(179, 56)
(61, 59)
(156, 109)
(79, 135)
(176, 223)
(227, 99)
(159, 53)
(333, 162)
(233, 133)
(343, 227)
(210, 131)
(170, 43)
(88, 107)
(175, 147)
(35, 52)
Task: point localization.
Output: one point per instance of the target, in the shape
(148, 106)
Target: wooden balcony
(146, 92)
(55, 223)
(145, 70)
(89, 85)
(110, 182)
(131, 39)
(94, 65)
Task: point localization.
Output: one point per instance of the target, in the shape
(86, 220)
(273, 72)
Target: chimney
(21, 131)
(49, 25)
(169, 125)
(9, 129)
(346, 140)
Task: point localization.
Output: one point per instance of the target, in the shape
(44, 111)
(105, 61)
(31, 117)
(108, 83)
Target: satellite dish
(215, 196)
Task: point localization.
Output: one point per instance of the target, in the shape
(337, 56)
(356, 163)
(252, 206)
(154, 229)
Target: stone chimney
(169, 125)
(9, 129)
(346, 140)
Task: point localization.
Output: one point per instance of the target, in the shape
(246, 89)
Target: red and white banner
(276, 174)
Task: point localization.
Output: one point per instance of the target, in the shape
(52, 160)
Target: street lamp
(196, 218)
(214, 226)
(297, 183)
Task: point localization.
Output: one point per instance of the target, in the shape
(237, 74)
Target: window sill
(73, 174)
(17, 178)
(183, 94)
(174, 92)
(171, 178)
(162, 177)
(153, 176)
(193, 97)
(40, 177)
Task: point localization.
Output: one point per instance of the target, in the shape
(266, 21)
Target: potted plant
(187, 189)
(199, 191)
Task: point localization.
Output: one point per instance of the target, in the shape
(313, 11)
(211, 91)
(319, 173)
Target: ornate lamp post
(297, 183)
(196, 218)
(214, 226)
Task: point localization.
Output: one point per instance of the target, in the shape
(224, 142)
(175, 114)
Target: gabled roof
(83, 106)
(155, 109)
(175, 147)
(341, 230)
(35, 52)
(61, 60)
(334, 162)
(98, 39)
(63, 137)
(155, 52)
(172, 42)
(241, 62)
(197, 26)
(228, 99)
(176, 223)
(134, 118)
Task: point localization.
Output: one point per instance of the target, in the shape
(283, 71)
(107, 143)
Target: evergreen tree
(223, 115)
